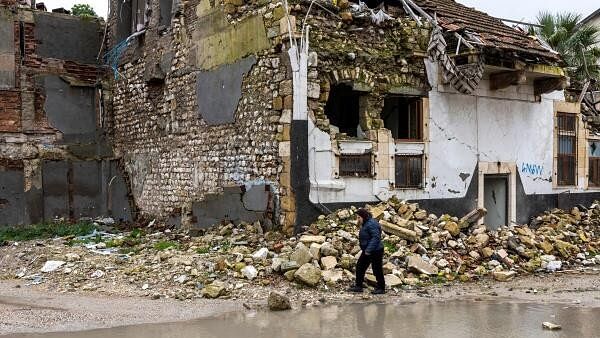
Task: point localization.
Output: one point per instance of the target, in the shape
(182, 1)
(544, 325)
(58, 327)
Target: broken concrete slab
(416, 263)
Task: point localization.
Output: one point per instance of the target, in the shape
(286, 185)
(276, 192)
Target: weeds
(203, 250)
(389, 247)
(163, 245)
(45, 230)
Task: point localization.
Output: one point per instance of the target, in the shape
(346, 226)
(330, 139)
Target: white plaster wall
(489, 126)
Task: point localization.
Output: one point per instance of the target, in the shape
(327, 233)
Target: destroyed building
(253, 110)
(54, 158)
(275, 111)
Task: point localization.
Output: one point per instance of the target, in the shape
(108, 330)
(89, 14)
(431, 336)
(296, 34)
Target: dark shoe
(378, 292)
(357, 289)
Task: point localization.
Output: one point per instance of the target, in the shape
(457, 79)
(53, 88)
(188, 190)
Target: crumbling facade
(276, 112)
(54, 158)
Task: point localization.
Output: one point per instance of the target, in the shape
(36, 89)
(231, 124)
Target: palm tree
(576, 43)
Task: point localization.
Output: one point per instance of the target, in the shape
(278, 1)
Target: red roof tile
(492, 32)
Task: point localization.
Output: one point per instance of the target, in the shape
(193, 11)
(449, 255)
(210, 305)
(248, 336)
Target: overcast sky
(507, 9)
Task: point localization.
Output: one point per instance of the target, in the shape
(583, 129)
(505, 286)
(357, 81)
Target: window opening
(165, 12)
(355, 165)
(567, 148)
(342, 109)
(409, 171)
(594, 170)
(138, 15)
(403, 116)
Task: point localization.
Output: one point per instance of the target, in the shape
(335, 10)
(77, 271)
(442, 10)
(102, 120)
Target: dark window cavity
(124, 19)
(567, 148)
(165, 12)
(138, 15)
(343, 109)
(409, 171)
(403, 116)
(594, 170)
(355, 165)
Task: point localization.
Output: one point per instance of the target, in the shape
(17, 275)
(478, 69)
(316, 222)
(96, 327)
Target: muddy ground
(37, 308)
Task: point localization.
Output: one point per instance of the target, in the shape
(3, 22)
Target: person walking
(369, 238)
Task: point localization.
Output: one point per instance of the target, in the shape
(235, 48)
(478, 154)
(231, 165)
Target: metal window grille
(567, 148)
(355, 165)
(409, 171)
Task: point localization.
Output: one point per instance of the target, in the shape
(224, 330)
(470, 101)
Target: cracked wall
(215, 136)
(51, 124)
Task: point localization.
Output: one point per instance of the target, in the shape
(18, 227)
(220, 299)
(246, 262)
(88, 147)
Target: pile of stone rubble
(226, 261)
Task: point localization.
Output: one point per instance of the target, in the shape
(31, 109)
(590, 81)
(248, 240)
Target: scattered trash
(97, 274)
(50, 266)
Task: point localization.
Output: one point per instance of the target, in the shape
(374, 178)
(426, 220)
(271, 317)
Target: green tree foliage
(576, 43)
(83, 10)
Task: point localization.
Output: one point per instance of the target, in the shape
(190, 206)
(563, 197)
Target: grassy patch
(45, 230)
(203, 250)
(225, 246)
(389, 247)
(163, 245)
(129, 251)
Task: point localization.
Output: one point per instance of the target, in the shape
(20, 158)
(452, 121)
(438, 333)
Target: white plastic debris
(380, 17)
(181, 279)
(50, 266)
(97, 274)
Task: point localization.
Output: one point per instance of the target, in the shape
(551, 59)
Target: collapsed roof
(481, 29)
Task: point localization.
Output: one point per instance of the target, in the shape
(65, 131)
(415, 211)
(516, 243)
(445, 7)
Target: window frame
(417, 101)
(342, 172)
(563, 130)
(590, 158)
(408, 176)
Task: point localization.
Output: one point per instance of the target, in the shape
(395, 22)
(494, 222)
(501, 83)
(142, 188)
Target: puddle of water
(452, 319)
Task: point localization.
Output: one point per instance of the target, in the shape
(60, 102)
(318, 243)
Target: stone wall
(50, 117)
(197, 114)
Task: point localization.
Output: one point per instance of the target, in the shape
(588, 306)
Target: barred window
(355, 165)
(409, 171)
(567, 148)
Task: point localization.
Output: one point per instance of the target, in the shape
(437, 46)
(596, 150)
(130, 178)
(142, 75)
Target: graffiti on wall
(532, 169)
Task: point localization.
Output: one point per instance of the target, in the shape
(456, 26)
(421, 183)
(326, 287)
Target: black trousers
(375, 259)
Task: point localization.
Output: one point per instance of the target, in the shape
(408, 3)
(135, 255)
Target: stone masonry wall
(197, 111)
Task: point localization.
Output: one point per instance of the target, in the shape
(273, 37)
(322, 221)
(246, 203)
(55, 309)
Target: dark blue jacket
(369, 236)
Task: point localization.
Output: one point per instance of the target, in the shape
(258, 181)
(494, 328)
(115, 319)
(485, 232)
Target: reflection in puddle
(452, 319)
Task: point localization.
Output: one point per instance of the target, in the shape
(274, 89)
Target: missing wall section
(403, 116)
(343, 109)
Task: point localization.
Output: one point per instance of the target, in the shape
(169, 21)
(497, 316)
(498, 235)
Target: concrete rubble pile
(225, 261)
